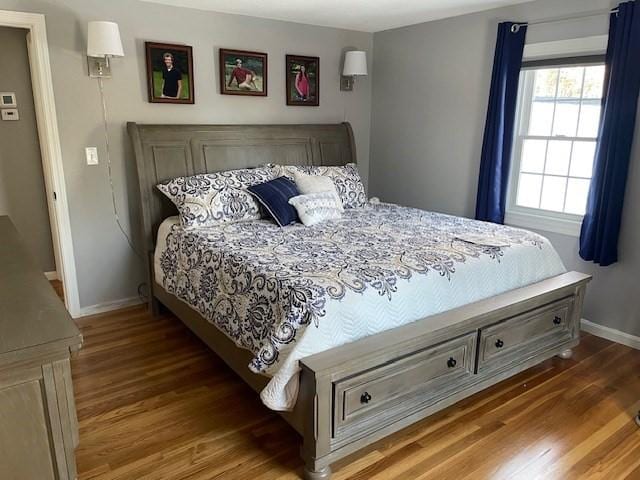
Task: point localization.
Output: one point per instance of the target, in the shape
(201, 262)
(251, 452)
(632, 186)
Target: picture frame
(243, 72)
(302, 80)
(169, 73)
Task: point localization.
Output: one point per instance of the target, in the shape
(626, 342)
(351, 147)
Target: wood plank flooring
(57, 286)
(154, 403)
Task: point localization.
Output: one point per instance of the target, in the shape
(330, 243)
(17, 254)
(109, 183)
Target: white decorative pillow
(345, 178)
(315, 184)
(315, 208)
(211, 198)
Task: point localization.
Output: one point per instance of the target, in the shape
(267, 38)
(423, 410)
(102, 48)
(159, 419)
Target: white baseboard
(51, 275)
(108, 306)
(610, 334)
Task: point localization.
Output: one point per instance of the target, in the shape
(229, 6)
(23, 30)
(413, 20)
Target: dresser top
(33, 320)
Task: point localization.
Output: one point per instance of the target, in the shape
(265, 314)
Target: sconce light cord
(109, 171)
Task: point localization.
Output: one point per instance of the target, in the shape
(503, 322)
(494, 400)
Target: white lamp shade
(103, 39)
(355, 63)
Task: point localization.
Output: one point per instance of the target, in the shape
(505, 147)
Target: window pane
(529, 190)
(554, 167)
(553, 193)
(570, 82)
(541, 116)
(593, 80)
(582, 159)
(545, 83)
(566, 118)
(589, 119)
(558, 156)
(533, 153)
(577, 192)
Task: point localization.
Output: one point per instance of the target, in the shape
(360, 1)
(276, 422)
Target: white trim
(51, 152)
(109, 306)
(547, 222)
(610, 334)
(595, 45)
(51, 275)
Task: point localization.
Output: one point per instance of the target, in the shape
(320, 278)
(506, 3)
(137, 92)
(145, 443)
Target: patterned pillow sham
(314, 208)
(345, 178)
(211, 198)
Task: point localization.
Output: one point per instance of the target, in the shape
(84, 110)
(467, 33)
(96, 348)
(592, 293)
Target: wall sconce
(355, 63)
(103, 42)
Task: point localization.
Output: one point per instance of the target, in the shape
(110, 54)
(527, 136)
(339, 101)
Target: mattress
(286, 293)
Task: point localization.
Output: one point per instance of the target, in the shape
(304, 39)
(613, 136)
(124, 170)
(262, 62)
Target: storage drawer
(403, 386)
(524, 335)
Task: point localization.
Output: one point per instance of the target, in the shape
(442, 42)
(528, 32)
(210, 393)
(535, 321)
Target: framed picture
(169, 73)
(303, 80)
(243, 73)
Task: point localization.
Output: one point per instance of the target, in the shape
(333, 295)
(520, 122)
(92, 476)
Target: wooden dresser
(38, 424)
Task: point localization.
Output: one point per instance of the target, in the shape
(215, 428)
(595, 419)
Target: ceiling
(362, 15)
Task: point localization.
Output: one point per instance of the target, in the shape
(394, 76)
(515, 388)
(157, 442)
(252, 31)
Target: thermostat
(8, 100)
(10, 114)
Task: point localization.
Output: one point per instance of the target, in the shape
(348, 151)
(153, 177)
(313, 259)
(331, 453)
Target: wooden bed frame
(356, 394)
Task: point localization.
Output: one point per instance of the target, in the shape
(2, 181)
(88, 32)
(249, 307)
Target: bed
(331, 323)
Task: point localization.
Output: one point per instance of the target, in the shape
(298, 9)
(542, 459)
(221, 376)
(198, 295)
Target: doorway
(34, 28)
(22, 193)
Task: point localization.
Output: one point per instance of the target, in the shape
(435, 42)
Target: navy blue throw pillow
(274, 196)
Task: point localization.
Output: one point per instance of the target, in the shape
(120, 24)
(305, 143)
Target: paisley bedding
(286, 293)
(210, 198)
(346, 180)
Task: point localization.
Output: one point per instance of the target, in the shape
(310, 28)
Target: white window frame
(536, 218)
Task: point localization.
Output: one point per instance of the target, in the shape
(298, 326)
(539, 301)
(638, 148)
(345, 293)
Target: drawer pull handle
(499, 343)
(365, 397)
(557, 320)
(452, 362)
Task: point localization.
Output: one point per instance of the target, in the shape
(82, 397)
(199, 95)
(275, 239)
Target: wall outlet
(91, 153)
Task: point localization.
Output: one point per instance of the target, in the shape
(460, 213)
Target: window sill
(547, 223)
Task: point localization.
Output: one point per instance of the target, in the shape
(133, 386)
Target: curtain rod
(516, 26)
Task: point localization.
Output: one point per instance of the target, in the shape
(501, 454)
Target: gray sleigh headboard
(168, 151)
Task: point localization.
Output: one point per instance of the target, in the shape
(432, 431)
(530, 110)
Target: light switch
(92, 155)
(10, 114)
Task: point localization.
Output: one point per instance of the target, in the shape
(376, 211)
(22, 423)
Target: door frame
(51, 152)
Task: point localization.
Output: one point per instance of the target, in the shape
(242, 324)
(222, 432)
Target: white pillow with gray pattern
(315, 208)
(212, 198)
(345, 178)
(315, 184)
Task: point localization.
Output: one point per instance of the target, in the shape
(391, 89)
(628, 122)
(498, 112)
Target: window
(556, 131)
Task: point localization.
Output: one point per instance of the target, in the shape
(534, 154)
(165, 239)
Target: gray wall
(107, 269)
(22, 193)
(430, 91)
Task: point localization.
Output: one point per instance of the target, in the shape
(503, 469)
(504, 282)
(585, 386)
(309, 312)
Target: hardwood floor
(154, 403)
(57, 286)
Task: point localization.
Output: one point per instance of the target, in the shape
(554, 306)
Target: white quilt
(286, 293)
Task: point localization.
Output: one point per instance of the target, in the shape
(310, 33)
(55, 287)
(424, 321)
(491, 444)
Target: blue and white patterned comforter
(286, 293)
